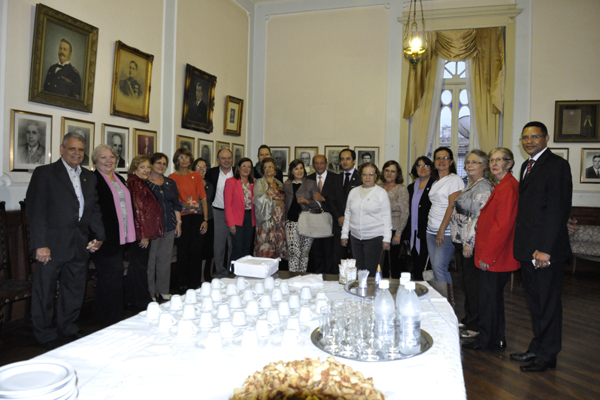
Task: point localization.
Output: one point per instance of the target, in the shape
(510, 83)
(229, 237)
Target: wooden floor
(488, 374)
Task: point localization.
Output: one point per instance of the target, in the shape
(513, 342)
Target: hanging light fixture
(414, 43)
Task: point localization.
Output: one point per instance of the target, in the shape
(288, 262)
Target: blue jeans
(440, 257)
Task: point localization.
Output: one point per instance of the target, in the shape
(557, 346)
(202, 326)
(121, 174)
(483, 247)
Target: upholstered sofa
(585, 243)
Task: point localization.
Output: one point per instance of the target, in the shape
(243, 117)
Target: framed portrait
(366, 154)
(117, 137)
(577, 121)
(30, 140)
(238, 152)
(234, 108)
(145, 143)
(281, 155)
(186, 142)
(198, 100)
(333, 158)
(561, 151)
(223, 145)
(85, 129)
(59, 39)
(590, 165)
(132, 74)
(206, 150)
(306, 154)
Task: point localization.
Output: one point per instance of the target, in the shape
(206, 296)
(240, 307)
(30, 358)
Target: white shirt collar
(537, 156)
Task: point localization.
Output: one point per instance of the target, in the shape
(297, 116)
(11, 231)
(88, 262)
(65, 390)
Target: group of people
(493, 226)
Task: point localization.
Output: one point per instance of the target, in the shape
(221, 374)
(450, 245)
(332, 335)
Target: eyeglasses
(183, 157)
(423, 166)
(498, 160)
(389, 171)
(532, 137)
(200, 166)
(269, 167)
(473, 162)
(160, 163)
(369, 175)
(442, 158)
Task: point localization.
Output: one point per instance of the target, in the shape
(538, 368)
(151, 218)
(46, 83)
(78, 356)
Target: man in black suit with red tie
(321, 258)
(542, 243)
(347, 180)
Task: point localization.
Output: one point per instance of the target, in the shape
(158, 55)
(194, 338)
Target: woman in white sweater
(368, 220)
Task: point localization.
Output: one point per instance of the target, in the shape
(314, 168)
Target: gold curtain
(486, 48)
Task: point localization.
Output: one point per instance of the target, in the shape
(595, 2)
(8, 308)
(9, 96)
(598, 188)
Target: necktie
(529, 166)
(346, 182)
(320, 183)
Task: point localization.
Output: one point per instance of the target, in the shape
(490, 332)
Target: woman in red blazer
(494, 251)
(239, 208)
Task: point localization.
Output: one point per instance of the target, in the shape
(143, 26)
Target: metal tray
(426, 344)
(352, 288)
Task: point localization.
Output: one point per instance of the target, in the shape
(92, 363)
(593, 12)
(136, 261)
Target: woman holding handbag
(300, 195)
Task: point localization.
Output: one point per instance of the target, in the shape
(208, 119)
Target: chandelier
(414, 43)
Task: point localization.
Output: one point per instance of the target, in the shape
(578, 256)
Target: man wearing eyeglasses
(542, 243)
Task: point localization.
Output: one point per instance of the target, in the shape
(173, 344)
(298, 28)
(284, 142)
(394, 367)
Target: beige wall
(125, 25)
(326, 78)
(213, 37)
(565, 60)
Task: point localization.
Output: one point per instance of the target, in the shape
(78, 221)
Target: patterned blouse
(399, 203)
(467, 208)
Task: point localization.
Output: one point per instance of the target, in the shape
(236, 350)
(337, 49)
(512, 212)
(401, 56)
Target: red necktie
(529, 166)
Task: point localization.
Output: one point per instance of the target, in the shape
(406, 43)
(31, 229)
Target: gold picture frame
(187, 142)
(110, 133)
(206, 150)
(87, 130)
(333, 158)
(234, 110)
(28, 151)
(70, 85)
(198, 114)
(132, 74)
(145, 143)
(588, 166)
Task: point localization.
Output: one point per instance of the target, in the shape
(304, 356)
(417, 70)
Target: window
(455, 113)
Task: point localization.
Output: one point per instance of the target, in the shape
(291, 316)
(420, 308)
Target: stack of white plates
(38, 380)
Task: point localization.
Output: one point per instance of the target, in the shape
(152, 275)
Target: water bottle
(401, 293)
(410, 312)
(377, 278)
(384, 317)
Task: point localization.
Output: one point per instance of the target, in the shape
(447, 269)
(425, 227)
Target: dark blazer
(66, 81)
(341, 196)
(306, 190)
(53, 212)
(197, 112)
(590, 173)
(109, 217)
(328, 192)
(544, 209)
(424, 206)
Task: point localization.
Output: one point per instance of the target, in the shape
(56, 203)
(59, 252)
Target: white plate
(178, 315)
(165, 306)
(200, 345)
(173, 332)
(250, 321)
(303, 328)
(28, 379)
(262, 342)
(64, 393)
(277, 341)
(142, 315)
(154, 325)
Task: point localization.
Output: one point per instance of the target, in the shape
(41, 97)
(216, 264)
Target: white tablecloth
(130, 361)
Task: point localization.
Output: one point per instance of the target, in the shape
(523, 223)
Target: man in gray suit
(65, 226)
(32, 152)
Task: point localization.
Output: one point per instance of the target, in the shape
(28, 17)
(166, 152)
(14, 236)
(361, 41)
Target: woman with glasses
(494, 251)
(442, 195)
(298, 197)
(368, 220)
(416, 226)
(161, 249)
(239, 210)
(194, 220)
(463, 223)
(201, 165)
(269, 202)
(392, 181)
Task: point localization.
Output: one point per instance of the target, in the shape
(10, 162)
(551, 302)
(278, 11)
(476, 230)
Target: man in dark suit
(63, 78)
(264, 151)
(116, 142)
(321, 257)
(65, 226)
(32, 152)
(197, 109)
(542, 243)
(346, 181)
(594, 171)
(222, 238)
(129, 86)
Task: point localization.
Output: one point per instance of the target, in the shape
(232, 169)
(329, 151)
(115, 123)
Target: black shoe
(500, 344)
(527, 356)
(472, 346)
(537, 365)
(76, 336)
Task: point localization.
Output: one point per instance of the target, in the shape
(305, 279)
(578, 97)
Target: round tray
(352, 288)
(426, 344)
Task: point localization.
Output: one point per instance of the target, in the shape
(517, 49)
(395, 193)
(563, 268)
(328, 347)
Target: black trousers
(468, 276)
(320, 259)
(137, 291)
(108, 306)
(394, 256)
(491, 320)
(418, 260)
(189, 251)
(241, 242)
(543, 287)
(339, 252)
(73, 277)
(367, 252)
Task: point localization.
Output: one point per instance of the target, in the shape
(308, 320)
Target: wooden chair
(11, 290)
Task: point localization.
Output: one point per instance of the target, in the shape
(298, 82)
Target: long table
(129, 360)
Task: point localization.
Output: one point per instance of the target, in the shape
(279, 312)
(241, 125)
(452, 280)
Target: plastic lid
(407, 274)
(384, 284)
(410, 285)
(403, 280)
